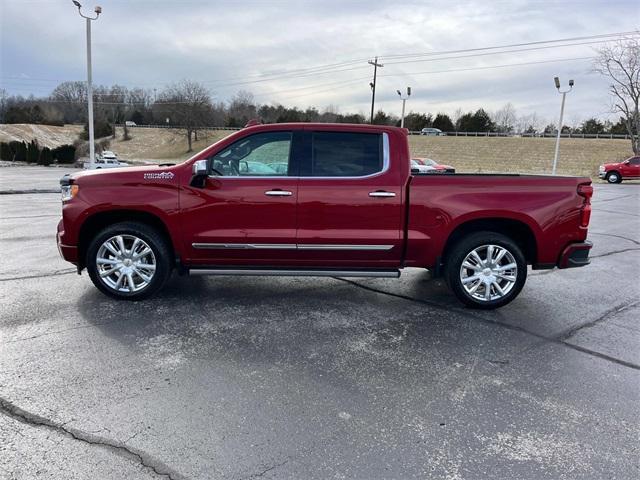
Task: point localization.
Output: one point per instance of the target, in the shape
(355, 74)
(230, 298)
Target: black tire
(155, 240)
(464, 247)
(614, 177)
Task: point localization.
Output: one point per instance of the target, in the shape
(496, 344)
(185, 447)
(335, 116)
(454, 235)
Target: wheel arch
(517, 230)
(99, 220)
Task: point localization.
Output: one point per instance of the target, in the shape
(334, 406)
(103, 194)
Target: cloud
(262, 47)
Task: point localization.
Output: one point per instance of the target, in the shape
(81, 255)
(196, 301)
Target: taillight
(585, 190)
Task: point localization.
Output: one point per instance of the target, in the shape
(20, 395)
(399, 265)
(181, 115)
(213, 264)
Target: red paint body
(417, 222)
(629, 169)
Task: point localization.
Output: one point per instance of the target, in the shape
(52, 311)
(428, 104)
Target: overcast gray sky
(268, 46)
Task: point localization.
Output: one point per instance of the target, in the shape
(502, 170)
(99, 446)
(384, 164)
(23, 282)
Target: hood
(111, 176)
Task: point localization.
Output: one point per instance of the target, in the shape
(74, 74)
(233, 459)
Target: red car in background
(616, 172)
(431, 166)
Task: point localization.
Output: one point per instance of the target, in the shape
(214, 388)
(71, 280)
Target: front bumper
(68, 252)
(575, 255)
(602, 174)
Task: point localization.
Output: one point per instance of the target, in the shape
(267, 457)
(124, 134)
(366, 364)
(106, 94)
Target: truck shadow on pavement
(299, 321)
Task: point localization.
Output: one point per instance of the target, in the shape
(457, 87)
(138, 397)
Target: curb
(19, 192)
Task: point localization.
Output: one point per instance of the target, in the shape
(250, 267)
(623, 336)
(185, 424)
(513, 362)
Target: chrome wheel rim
(488, 273)
(126, 263)
(613, 178)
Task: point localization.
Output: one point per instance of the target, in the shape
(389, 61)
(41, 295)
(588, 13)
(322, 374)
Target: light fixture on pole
(404, 101)
(564, 94)
(98, 11)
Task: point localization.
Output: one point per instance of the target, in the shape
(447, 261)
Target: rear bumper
(575, 255)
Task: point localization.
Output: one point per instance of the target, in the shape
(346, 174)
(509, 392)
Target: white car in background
(106, 159)
(432, 132)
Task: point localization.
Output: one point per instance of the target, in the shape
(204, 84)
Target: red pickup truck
(320, 200)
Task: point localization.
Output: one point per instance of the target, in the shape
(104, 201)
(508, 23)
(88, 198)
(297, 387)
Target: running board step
(289, 272)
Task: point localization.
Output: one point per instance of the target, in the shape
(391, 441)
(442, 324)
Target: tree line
(188, 104)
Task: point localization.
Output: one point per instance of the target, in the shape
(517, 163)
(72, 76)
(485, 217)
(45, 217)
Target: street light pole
(404, 101)
(98, 11)
(564, 95)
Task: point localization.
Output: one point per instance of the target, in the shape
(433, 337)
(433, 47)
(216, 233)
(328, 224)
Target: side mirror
(199, 171)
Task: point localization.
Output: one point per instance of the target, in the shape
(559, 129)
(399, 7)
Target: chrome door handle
(278, 193)
(382, 194)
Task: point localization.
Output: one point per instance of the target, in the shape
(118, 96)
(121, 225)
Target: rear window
(337, 154)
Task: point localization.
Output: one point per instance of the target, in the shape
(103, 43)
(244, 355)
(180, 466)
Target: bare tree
(530, 123)
(242, 108)
(71, 99)
(505, 118)
(621, 63)
(187, 104)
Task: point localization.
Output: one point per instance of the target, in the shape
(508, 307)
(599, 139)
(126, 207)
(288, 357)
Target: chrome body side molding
(290, 246)
(244, 246)
(295, 272)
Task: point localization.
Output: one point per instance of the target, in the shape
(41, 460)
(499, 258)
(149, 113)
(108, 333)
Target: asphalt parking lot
(244, 378)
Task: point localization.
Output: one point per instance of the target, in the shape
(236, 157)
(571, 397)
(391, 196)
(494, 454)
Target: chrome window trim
(291, 246)
(386, 162)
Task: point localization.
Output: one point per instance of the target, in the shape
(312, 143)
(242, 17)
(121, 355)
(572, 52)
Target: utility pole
(98, 11)
(564, 94)
(404, 100)
(373, 84)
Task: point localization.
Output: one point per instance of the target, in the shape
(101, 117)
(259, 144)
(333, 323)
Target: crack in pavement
(612, 199)
(615, 252)
(267, 470)
(615, 236)
(466, 313)
(613, 211)
(158, 468)
(65, 271)
(566, 335)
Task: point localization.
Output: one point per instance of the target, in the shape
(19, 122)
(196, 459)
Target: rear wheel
(129, 260)
(486, 270)
(614, 177)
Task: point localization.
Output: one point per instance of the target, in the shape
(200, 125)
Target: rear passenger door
(349, 200)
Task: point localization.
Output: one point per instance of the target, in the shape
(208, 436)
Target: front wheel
(486, 270)
(129, 260)
(614, 177)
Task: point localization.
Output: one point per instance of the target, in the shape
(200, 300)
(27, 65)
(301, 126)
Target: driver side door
(246, 212)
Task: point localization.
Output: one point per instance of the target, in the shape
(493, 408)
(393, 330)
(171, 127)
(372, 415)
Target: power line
(332, 84)
(539, 42)
(351, 65)
(489, 67)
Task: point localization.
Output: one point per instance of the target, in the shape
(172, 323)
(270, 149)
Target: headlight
(601, 168)
(68, 192)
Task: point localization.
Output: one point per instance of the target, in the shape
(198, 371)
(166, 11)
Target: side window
(338, 154)
(263, 154)
(634, 161)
